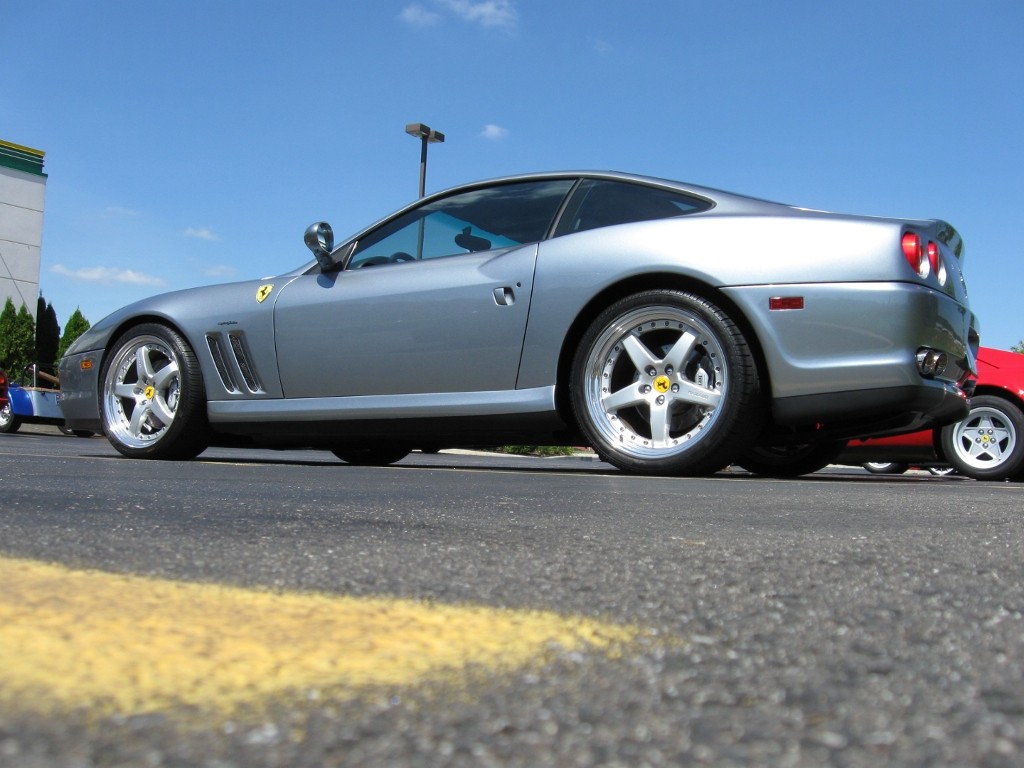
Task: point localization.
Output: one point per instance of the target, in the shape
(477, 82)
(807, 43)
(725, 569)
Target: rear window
(602, 203)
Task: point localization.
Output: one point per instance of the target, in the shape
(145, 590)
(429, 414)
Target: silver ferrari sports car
(673, 328)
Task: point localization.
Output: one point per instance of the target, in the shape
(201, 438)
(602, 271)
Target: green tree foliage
(77, 325)
(1018, 347)
(8, 318)
(17, 340)
(47, 334)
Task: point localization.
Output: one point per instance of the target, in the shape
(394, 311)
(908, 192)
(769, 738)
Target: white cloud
(203, 233)
(602, 47)
(418, 16)
(106, 275)
(487, 13)
(494, 132)
(117, 210)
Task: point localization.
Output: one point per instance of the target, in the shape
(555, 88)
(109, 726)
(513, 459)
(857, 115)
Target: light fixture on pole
(426, 135)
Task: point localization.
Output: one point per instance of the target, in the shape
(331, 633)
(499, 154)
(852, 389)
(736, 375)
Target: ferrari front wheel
(664, 382)
(152, 399)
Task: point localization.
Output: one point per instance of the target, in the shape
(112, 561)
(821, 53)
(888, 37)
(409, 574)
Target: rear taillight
(935, 261)
(913, 250)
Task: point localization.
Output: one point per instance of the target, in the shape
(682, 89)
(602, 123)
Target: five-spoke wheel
(663, 382)
(152, 396)
(989, 443)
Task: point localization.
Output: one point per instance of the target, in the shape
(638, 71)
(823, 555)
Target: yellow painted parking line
(121, 644)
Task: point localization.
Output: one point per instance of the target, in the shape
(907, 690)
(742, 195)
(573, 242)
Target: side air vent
(242, 358)
(233, 363)
(218, 359)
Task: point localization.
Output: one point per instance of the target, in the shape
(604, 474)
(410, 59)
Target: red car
(5, 407)
(987, 445)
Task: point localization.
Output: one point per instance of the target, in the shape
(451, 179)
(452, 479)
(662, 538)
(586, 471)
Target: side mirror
(319, 238)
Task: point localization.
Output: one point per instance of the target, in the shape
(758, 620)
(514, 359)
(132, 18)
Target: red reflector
(786, 302)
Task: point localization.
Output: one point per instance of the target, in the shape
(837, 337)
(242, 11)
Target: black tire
(377, 456)
(885, 467)
(9, 423)
(989, 443)
(664, 383)
(791, 460)
(152, 401)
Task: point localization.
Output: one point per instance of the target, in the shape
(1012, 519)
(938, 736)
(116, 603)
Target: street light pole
(426, 135)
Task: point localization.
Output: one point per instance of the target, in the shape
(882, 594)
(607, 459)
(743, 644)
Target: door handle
(504, 296)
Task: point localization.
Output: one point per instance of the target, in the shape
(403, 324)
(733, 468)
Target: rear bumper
(845, 364)
(853, 336)
(871, 412)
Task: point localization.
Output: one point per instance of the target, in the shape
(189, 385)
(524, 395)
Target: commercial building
(22, 196)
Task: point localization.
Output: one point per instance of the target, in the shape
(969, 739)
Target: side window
(480, 220)
(601, 203)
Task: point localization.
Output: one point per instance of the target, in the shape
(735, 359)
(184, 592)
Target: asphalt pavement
(841, 619)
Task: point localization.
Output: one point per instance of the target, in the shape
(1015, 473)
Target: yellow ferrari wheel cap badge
(263, 291)
(150, 393)
(662, 384)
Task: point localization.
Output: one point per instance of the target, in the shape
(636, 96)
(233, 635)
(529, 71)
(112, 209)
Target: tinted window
(599, 203)
(480, 220)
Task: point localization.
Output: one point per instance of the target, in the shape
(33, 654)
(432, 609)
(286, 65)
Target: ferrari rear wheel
(664, 382)
(989, 443)
(152, 401)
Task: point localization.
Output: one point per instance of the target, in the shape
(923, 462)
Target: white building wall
(21, 236)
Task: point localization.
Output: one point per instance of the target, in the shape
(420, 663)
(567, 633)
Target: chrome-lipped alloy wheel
(654, 381)
(141, 391)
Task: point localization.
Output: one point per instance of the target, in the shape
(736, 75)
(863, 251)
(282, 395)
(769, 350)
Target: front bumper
(79, 395)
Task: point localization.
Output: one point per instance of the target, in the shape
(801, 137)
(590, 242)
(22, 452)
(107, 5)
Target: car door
(434, 301)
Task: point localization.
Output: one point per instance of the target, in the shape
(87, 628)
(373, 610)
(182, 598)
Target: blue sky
(192, 142)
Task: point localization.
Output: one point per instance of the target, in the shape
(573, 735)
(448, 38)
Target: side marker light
(785, 302)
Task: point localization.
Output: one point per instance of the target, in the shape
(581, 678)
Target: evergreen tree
(47, 334)
(77, 325)
(17, 340)
(8, 319)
